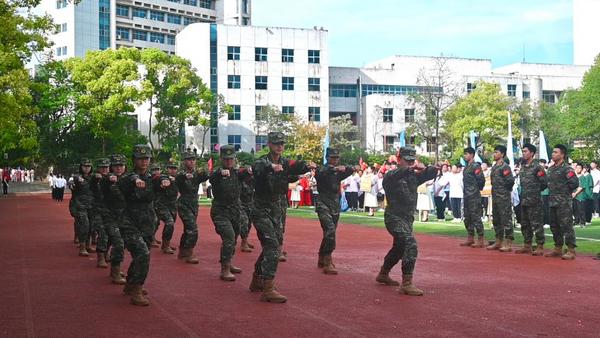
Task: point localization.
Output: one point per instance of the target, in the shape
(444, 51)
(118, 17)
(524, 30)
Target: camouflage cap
(189, 155)
(276, 137)
(117, 159)
(154, 167)
(227, 151)
(408, 153)
(86, 162)
(333, 152)
(172, 164)
(102, 162)
(141, 151)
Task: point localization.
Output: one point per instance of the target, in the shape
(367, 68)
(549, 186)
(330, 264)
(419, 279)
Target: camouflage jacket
(400, 187)
(328, 185)
(473, 180)
(166, 196)
(247, 191)
(502, 182)
(138, 198)
(270, 186)
(188, 187)
(113, 196)
(82, 190)
(227, 189)
(533, 181)
(562, 181)
(97, 191)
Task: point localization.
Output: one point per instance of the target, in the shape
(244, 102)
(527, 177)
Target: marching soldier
(533, 182)
(271, 174)
(98, 212)
(188, 182)
(156, 178)
(247, 199)
(473, 182)
(226, 208)
(82, 203)
(562, 181)
(327, 207)
(166, 209)
(400, 185)
(502, 184)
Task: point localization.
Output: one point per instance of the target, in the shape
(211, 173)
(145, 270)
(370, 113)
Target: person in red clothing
(306, 193)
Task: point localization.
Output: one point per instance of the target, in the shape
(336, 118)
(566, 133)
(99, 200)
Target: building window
(140, 35)
(287, 83)
(122, 11)
(261, 142)
(157, 16)
(233, 53)
(139, 13)
(288, 110)
(314, 84)
(388, 114)
(206, 4)
(260, 82)
(512, 90)
(190, 2)
(235, 141)
(411, 141)
(233, 82)
(409, 115)
(245, 9)
(174, 18)
(61, 4)
(526, 94)
(343, 90)
(548, 97)
(157, 37)
(470, 87)
(287, 55)
(314, 56)
(314, 114)
(260, 54)
(58, 51)
(62, 28)
(388, 142)
(258, 113)
(171, 40)
(431, 145)
(187, 21)
(245, 21)
(235, 114)
(122, 33)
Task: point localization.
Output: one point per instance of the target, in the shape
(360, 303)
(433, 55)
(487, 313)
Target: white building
(377, 96)
(253, 67)
(102, 24)
(586, 27)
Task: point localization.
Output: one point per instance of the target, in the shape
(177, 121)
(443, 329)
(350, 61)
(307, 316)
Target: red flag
(210, 164)
(360, 162)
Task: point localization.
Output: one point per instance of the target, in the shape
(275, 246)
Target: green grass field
(588, 239)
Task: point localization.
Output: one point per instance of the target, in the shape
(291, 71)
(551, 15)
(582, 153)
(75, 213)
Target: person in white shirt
(455, 181)
(351, 185)
(595, 172)
(59, 185)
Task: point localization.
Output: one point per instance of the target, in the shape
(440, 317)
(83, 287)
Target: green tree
(343, 134)
(270, 118)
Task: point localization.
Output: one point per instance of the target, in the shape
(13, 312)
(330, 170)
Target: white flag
(509, 145)
(543, 148)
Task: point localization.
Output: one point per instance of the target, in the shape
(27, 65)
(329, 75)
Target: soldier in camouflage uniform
(533, 181)
(114, 205)
(328, 206)
(166, 208)
(156, 178)
(502, 184)
(139, 221)
(400, 185)
(188, 182)
(562, 181)
(272, 173)
(226, 208)
(98, 212)
(473, 182)
(82, 203)
(247, 199)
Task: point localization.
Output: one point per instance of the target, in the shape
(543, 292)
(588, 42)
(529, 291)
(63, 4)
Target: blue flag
(325, 146)
(474, 146)
(402, 138)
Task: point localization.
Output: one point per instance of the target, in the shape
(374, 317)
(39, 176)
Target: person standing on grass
(473, 182)
(502, 184)
(328, 179)
(533, 182)
(562, 182)
(401, 187)
(579, 197)
(595, 173)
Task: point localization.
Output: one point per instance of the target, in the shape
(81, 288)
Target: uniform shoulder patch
(477, 171)
(541, 173)
(570, 174)
(292, 163)
(506, 172)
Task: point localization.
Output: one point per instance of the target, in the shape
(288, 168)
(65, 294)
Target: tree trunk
(150, 127)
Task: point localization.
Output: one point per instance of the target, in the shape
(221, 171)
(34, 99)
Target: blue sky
(501, 30)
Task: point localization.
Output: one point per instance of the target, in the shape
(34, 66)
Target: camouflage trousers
(532, 219)
(134, 231)
(227, 225)
(329, 220)
(405, 245)
(167, 214)
(502, 218)
(83, 223)
(188, 211)
(109, 235)
(267, 221)
(472, 213)
(561, 225)
(284, 205)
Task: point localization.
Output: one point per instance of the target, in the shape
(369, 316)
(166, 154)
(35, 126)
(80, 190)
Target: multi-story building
(102, 24)
(254, 67)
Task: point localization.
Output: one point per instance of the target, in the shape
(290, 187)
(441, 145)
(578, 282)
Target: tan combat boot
(245, 247)
(470, 240)
(570, 255)
(270, 294)
(188, 255)
(282, 255)
(479, 243)
(506, 246)
(557, 252)
(166, 248)
(90, 248)
(82, 251)
(257, 283)
(101, 260)
(408, 288)
(115, 275)
(539, 250)
(226, 274)
(234, 269)
(128, 289)
(526, 249)
(384, 278)
(320, 263)
(137, 296)
(155, 243)
(496, 246)
(328, 266)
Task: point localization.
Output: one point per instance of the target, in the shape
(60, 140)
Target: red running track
(47, 291)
